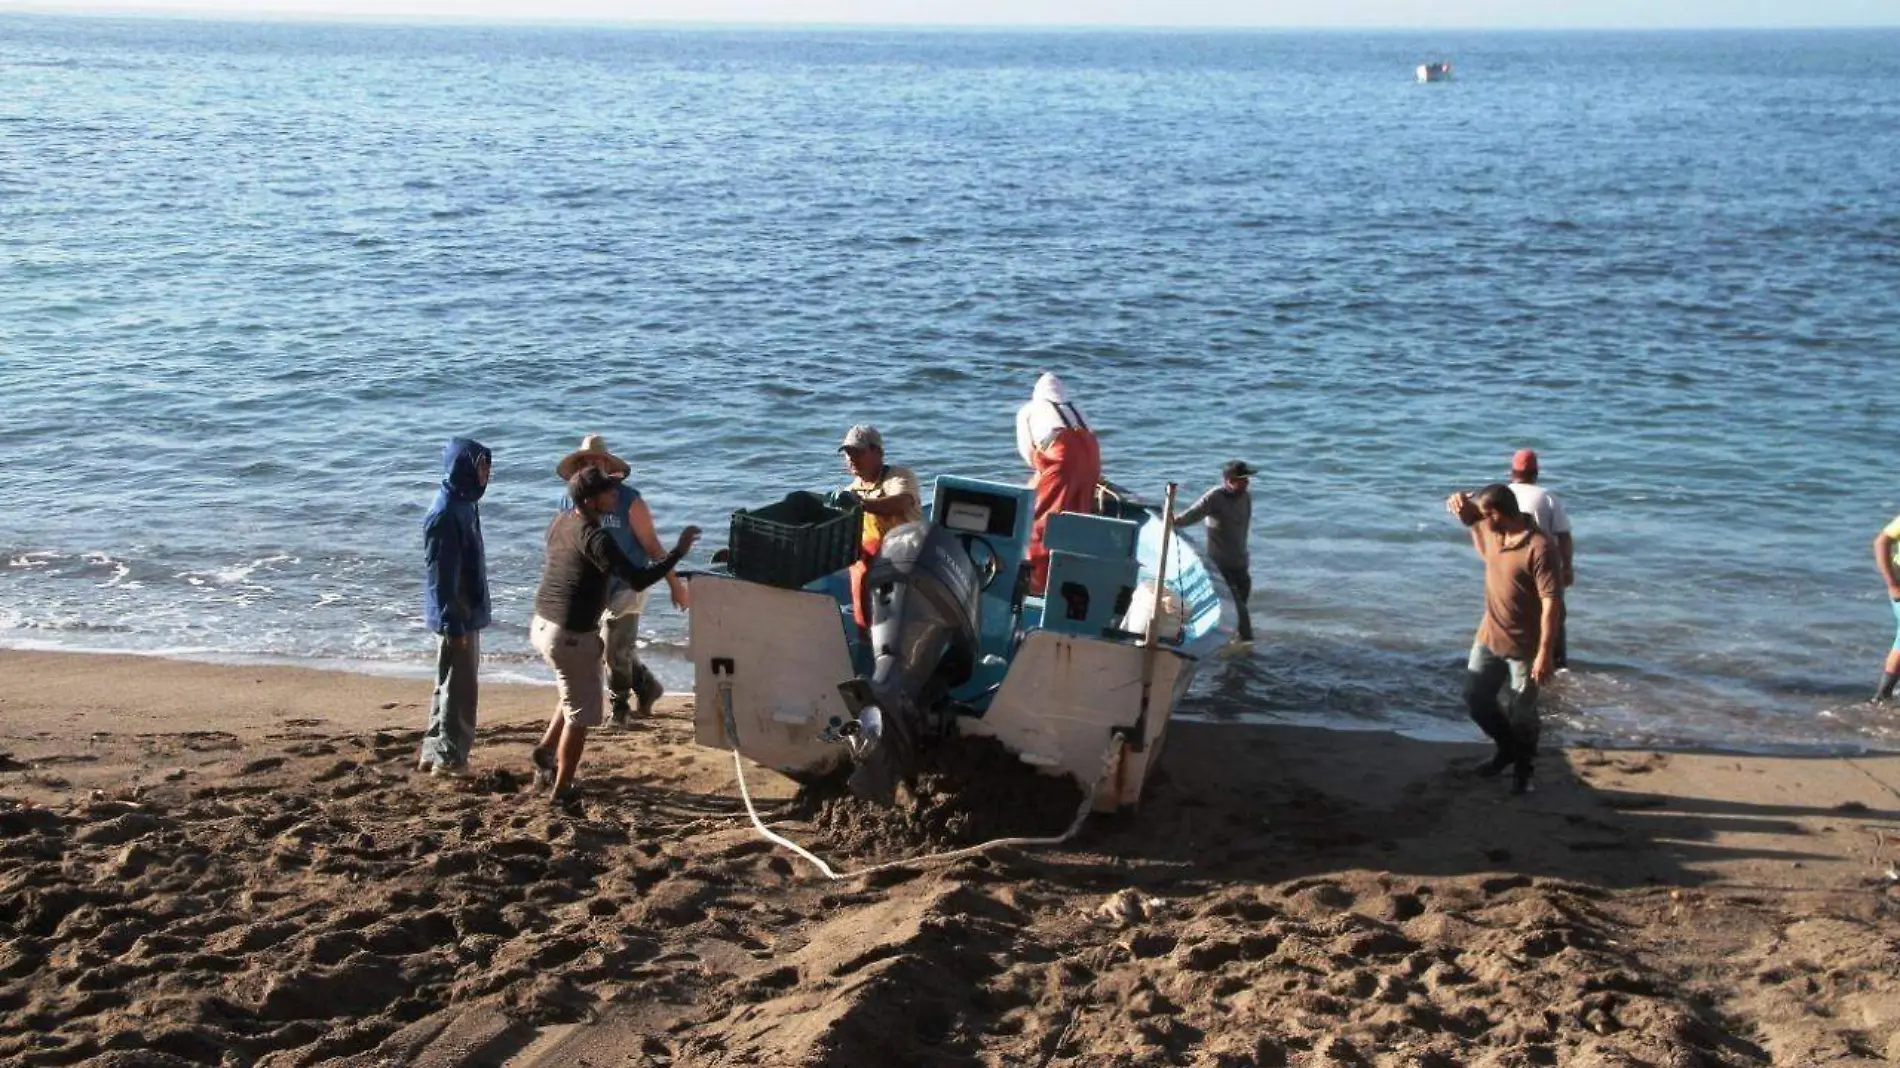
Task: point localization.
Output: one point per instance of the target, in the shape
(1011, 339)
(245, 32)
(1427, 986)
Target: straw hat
(593, 447)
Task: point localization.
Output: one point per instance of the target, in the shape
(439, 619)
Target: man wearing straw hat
(632, 687)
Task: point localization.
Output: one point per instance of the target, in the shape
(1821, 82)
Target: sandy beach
(216, 865)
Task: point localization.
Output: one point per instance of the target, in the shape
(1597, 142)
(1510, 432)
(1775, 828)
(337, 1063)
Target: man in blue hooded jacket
(455, 603)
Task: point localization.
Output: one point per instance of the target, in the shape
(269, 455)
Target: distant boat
(1434, 72)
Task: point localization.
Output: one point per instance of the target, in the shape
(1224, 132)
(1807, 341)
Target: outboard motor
(923, 589)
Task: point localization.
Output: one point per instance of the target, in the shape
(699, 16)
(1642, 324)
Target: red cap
(1525, 460)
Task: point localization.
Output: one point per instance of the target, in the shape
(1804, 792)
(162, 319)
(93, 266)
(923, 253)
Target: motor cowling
(923, 591)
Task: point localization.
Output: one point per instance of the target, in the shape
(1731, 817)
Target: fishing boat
(1434, 72)
(1080, 680)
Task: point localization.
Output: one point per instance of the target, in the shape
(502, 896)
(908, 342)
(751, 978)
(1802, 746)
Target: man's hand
(681, 599)
(1893, 592)
(1542, 670)
(1459, 504)
(685, 544)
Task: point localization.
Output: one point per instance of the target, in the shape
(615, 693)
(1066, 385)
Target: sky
(1363, 14)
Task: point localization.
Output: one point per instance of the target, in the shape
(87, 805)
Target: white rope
(1109, 758)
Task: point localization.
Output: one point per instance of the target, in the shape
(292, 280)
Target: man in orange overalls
(890, 499)
(1057, 444)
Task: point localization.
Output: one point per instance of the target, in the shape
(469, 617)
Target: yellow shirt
(1892, 530)
(894, 482)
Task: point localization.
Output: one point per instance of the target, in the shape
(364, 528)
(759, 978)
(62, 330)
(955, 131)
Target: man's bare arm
(1883, 559)
(1551, 631)
(1461, 505)
(640, 521)
(897, 505)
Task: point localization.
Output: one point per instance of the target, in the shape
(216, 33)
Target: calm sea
(252, 275)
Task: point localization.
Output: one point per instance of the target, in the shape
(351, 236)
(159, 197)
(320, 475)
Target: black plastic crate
(790, 543)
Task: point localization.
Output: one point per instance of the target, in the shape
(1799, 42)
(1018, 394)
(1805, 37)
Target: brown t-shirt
(1519, 573)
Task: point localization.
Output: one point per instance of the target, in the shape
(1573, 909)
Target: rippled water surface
(251, 276)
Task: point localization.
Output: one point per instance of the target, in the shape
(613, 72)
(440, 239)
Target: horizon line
(224, 15)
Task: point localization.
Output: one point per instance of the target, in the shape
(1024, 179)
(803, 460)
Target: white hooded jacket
(1048, 411)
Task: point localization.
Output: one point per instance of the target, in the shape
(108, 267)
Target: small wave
(940, 374)
(92, 563)
(240, 574)
(63, 626)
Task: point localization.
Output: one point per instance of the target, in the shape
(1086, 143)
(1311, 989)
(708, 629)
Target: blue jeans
(1508, 716)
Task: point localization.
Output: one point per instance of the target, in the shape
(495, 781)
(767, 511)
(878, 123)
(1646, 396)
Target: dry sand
(206, 865)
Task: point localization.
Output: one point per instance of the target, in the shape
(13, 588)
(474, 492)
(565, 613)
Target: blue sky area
(1352, 14)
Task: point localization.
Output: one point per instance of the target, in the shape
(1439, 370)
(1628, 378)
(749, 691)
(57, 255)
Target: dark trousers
(451, 733)
(1241, 584)
(627, 677)
(1503, 702)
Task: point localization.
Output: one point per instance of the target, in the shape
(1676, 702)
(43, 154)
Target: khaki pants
(575, 658)
(620, 627)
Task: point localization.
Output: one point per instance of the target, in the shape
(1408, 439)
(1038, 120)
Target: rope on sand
(1109, 759)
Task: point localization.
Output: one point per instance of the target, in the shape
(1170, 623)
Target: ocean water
(253, 275)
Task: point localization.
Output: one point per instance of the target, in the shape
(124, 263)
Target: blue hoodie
(455, 591)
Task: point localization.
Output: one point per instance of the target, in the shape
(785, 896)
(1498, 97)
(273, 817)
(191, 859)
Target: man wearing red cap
(1548, 513)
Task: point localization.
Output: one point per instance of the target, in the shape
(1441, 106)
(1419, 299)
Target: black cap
(1238, 469)
(588, 481)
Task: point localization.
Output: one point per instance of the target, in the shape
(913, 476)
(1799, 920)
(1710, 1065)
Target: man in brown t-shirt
(1522, 627)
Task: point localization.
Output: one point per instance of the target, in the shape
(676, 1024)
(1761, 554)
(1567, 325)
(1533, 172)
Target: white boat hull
(1060, 699)
(783, 653)
(1067, 698)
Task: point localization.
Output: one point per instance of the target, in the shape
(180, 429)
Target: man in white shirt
(1548, 512)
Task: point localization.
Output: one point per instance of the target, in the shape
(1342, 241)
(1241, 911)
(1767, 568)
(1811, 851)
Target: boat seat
(1091, 535)
(1086, 594)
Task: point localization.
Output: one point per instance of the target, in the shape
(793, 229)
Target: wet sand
(208, 865)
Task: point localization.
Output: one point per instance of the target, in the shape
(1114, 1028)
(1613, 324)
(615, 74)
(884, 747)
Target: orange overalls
(1067, 471)
(870, 540)
(860, 578)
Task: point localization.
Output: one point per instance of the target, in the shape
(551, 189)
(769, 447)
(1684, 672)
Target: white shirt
(1048, 411)
(1542, 506)
(1037, 423)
